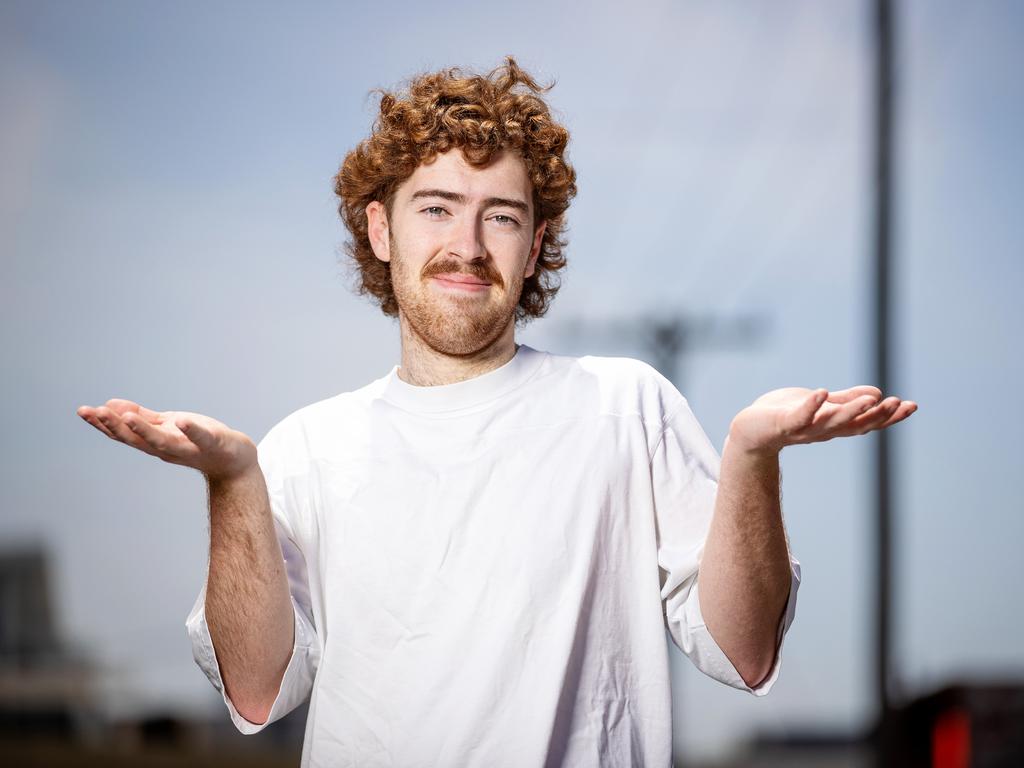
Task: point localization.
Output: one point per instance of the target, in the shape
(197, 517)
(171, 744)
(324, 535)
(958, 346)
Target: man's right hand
(178, 437)
(248, 608)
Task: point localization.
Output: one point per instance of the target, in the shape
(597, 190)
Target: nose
(466, 238)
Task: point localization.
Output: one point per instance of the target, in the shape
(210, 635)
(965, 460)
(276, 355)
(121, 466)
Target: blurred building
(44, 689)
(51, 713)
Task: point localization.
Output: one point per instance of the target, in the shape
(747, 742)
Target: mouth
(460, 281)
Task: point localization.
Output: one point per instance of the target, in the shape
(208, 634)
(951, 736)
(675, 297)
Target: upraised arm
(248, 607)
(745, 570)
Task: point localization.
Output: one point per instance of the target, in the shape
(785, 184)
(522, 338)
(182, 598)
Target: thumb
(804, 413)
(200, 436)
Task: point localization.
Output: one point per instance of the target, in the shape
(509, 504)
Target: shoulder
(621, 370)
(622, 384)
(312, 429)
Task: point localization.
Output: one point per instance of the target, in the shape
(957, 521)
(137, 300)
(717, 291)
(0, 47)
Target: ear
(378, 231)
(538, 238)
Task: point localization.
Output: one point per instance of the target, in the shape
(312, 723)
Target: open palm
(795, 415)
(178, 437)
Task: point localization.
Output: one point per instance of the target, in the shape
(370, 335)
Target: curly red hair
(480, 115)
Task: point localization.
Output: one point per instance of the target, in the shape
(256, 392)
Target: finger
(200, 436)
(846, 395)
(842, 416)
(874, 417)
(116, 425)
(907, 407)
(161, 442)
(804, 413)
(89, 416)
(120, 406)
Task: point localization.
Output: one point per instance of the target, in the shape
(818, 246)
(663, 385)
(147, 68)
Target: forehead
(504, 177)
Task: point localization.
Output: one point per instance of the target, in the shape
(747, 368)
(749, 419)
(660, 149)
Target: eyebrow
(456, 197)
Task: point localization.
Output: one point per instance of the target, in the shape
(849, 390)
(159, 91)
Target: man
(472, 560)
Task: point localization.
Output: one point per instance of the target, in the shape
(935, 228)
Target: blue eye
(503, 219)
(434, 210)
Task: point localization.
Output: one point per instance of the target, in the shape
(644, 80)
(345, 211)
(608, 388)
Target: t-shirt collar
(464, 394)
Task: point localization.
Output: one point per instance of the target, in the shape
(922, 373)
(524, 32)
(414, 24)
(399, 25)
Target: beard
(448, 323)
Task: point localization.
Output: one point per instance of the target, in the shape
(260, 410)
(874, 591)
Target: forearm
(248, 608)
(745, 570)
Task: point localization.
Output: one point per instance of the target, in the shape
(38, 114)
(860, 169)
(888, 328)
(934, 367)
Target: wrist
(736, 443)
(235, 479)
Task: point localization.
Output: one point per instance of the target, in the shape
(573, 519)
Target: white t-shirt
(482, 572)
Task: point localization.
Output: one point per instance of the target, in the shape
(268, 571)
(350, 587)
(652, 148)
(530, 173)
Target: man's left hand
(796, 415)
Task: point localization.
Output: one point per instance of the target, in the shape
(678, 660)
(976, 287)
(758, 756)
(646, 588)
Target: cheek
(517, 264)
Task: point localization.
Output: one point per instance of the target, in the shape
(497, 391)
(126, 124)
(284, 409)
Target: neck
(423, 366)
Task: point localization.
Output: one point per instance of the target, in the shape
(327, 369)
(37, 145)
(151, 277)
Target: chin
(461, 335)
(461, 342)
(455, 325)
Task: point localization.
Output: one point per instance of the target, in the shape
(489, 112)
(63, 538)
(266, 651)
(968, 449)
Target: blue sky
(168, 234)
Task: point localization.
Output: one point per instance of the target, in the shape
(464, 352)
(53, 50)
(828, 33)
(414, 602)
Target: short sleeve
(684, 473)
(297, 682)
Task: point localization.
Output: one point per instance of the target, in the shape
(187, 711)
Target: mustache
(481, 270)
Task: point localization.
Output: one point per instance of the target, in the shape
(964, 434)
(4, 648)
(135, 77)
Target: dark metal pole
(884, 98)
